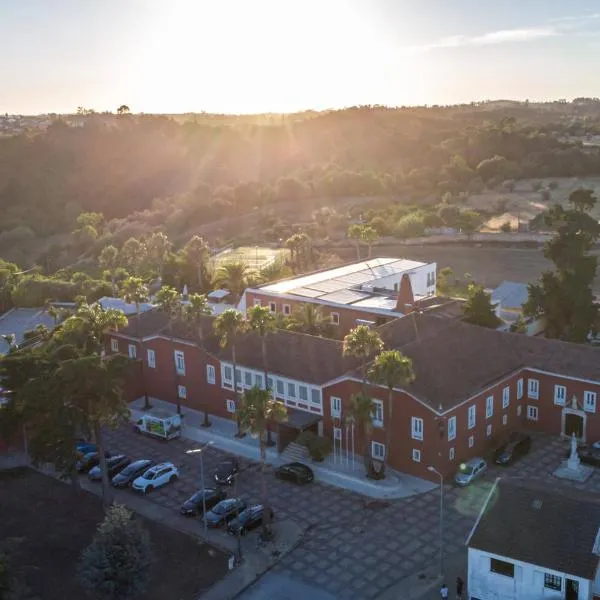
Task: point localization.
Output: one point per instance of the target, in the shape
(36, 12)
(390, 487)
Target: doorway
(573, 425)
(572, 590)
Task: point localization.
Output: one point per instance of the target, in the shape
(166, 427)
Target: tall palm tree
(392, 369)
(257, 409)
(109, 260)
(136, 292)
(229, 325)
(361, 411)
(362, 342)
(234, 277)
(196, 251)
(309, 318)
(194, 314)
(262, 321)
(292, 245)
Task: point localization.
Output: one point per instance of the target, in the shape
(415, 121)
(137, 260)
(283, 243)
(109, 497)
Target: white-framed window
(589, 401)
(315, 396)
(269, 382)
(248, 379)
(230, 404)
(519, 388)
(533, 388)
(151, 356)
(504, 419)
(337, 433)
(377, 450)
(291, 389)
(471, 441)
(238, 378)
(228, 376)
(335, 318)
(273, 307)
(471, 416)
(336, 407)
(416, 455)
(451, 453)
(280, 387)
(114, 344)
(181, 391)
(211, 375)
(287, 309)
(505, 397)
(451, 428)
(519, 410)
(532, 413)
(416, 427)
(259, 381)
(132, 350)
(552, 582)
(179, 362)
(256, 301)
(560, 395)
(488, 430)
(377, 415)
(489, 407)
(303, 393)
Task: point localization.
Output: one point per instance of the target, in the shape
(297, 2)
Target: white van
(159, 424)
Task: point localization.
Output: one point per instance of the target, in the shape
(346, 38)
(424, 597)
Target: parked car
(82, 448)
(130, 473)
(226, 471)
(156, 477)
(249, 519)
(194, 505)
(589, 455)
(296, 472)
(518, 445)
(470, 471)
(224, 511)
(89, 460)
(114, 465)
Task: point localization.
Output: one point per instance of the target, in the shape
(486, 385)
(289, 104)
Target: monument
(572, 468)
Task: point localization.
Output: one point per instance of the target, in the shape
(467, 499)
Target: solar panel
(306, 292)
(333, 285)
(344, 297)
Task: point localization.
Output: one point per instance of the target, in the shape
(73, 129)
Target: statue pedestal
(573, 470)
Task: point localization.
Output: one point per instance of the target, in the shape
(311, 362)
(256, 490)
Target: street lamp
(434, 470)
(200, 451)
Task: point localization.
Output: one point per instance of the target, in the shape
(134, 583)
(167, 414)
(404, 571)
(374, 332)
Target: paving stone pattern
(351, 551)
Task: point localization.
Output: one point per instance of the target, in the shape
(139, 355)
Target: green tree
(110, 261)
(360, 413)
(234, 277)
(157, 250)
(362, 343)
(478, 309)
(196, 252)
(308, 318)
(469, 221)
(445, 280)
(134, 255)
(123, 110)
(369, 236)
(355, 233)
(95, 220)
(116, 565)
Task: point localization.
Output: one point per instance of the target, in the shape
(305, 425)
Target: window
(228, 376)
(179, 362)
(533, 388)
(272, 307)
(504, 419)
(114, 344)
(377, 450)
(560, 394)
(132, 350)
(416, 455)
(377, 413)
(287, 310)
(303, 393)
(337, 433)
(451, 454)
(532, 413)
(256, 301)
(471, 441)
(280, 388)
(259, 381)
(336, 407)
(519, 388)
(552, 582)
(270, 382)
(502, 567)
(291, 387)
(248, 378)
(471, 417)
(489, 406)
(151, 355)
(181, 391)
(335, 318)
(451, 428)
(238, 377)
(505, 397)
(488, 430)
(230, 406)
(416, 428)
(589, 401)
(210, 374)
(315, 396)
(518, 411)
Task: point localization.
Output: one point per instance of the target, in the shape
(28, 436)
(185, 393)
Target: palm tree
(392, 369)
(292, 245)
(257, 409)
(194, 313)
(262, 321)
(136, 292)
(167, 299)
(234, 277)
(362, 342)
(361, 411)
(109, 260)
(309, 319)
(196, 252)
(229, 325)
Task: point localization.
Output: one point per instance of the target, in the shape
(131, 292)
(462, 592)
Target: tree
(362, 342)
(95, 220)
(369, 236)
(355, 233)
(469, 221)
(257, 408)
(392, 369)
(564, 297)
(478, 309)
(234, 277)
(123, 110)
(309, 318)
(109, 260)
(519, 326)
(116, 565)
(228, 326)
(134, 255)
(445, 280)
(157, 248)
(196, 252)
(360, 412)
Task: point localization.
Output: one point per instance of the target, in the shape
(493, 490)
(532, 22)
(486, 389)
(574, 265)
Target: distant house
(20, 320)
(508, 299)
(529, 542)
(130, 308)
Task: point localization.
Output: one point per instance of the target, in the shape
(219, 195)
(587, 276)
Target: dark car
(249, 519)
(115, 464)
(89, 460)
(296, 472)
(194, 505)
(224, 511)
(82, 448)
(589, 455)
(518, 445)
(131, 472)
(226, 471)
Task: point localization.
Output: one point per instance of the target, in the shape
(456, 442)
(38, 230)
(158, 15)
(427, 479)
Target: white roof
(510, 294)
(107, 302)
(218, 294)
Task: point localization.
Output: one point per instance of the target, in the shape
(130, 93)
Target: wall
(527, 583)
(418, 280)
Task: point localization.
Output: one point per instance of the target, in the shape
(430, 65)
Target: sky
(245, 56)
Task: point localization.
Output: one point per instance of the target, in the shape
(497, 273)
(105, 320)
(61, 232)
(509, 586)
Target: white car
(156, 477)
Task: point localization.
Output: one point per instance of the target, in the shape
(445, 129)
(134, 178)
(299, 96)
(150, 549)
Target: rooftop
(510, 295)
(20, 320)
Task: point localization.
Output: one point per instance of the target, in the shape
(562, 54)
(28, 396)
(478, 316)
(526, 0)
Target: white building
(529, 543)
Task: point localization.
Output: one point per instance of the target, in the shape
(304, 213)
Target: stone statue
(574, 460)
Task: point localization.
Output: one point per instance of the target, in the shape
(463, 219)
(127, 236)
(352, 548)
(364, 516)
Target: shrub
(506, 227)
(318, 447)
(412, 225)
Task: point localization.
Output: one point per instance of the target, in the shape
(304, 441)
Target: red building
(472, 387)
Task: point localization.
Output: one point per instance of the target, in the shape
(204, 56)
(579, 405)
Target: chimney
(406, 300)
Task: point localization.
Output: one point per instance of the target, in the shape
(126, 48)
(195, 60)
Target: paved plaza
(348, 550)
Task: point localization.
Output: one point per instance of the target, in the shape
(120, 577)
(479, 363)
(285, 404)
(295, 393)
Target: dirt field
(55, 527)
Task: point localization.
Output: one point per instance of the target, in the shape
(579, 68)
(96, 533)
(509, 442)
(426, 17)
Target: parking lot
(349, 550)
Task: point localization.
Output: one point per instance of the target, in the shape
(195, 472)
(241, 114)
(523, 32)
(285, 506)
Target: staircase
(295, 453)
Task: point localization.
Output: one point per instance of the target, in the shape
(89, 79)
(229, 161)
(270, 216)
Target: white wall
(418, 280)
(527, 584)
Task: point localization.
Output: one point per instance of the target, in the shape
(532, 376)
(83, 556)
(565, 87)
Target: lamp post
(237, 516)
(200, 451)
(434, 470)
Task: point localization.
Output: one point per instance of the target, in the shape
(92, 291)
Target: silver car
(470, 471)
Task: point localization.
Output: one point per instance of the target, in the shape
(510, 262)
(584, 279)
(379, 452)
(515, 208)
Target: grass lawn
(54, 527)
